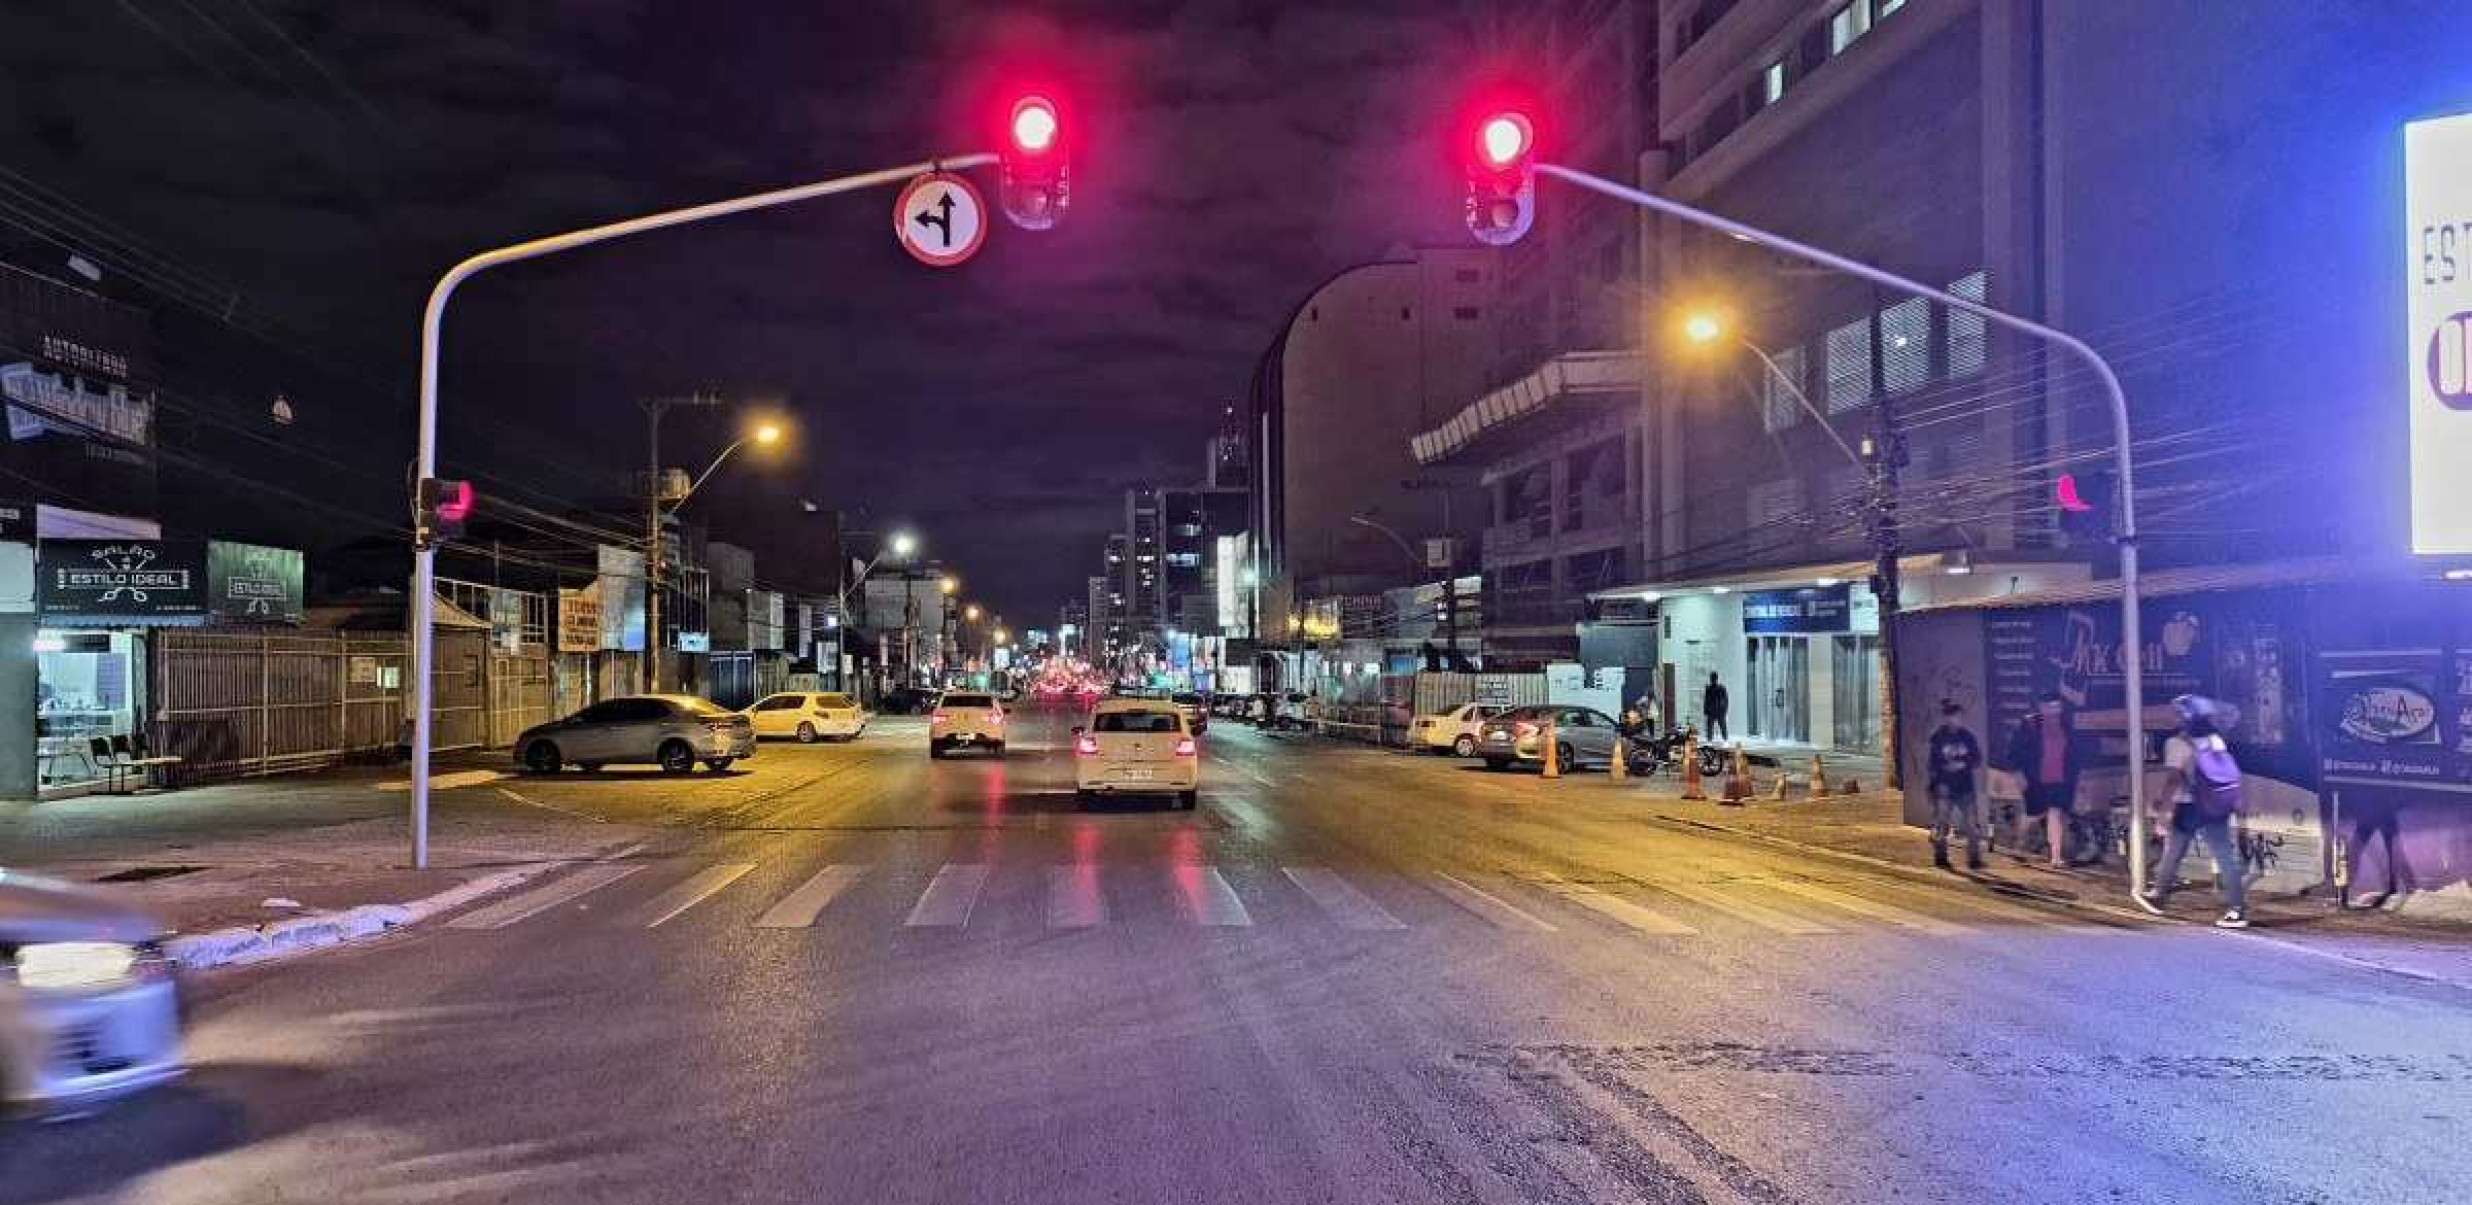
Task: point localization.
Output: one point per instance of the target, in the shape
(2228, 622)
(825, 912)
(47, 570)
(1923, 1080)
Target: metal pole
(425, 554)
(654, 408)
(2131, 634)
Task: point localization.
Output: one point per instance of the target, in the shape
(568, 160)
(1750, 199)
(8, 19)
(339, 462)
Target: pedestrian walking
(1955, 758)
(1714, 703)
(2202, 783)
(2044, 751)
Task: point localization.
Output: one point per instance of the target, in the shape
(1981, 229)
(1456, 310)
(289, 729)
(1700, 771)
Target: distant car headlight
(77, 965)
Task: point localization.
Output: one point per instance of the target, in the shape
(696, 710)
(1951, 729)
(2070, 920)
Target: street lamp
(948, 585)
(971, 612)
(654, 547)
(1708, 326)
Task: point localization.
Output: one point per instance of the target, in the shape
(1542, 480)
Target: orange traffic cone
(1819, 777)
(1553, 752)
(1777, 793)
(1691, 786)
(1738, 777)
(1621, 769)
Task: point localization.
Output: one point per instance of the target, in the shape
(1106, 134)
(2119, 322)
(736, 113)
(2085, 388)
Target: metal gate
(233, 704)
(520, 690)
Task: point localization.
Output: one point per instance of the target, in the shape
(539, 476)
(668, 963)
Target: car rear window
(969, 700)
(1188, 698)
(1133, 721)
(832, 700)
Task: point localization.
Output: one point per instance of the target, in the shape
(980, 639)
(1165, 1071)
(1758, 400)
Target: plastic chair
(99, 750)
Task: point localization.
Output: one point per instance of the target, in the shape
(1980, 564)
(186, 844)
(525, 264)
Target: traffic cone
(1738, 777)
(1777, 794)
(1553, 752)
(1691, 787)
(1819, 777)
(1621, 769)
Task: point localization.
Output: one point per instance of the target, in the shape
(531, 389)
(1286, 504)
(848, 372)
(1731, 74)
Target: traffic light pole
(2132, 641)
(424, 551)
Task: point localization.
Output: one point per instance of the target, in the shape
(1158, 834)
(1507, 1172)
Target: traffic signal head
(1501, 166)
(2085, 502)
(1035, 181)
(441, 509)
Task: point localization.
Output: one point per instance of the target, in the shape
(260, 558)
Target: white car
(966, 719)
(1454, 731)
(89, 1010)
(809, 717)
(1137, 747)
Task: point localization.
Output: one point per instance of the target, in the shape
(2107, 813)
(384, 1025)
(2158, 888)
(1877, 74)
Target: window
(782, 703)
(1773, 502)
(1779, 408)
(1467, 313)
(1966, 333)
(1890, 6)
(1905, 351)
(1134, 721)
(962, 700)
(834, 701)
(1772, 83)
(1849, 366)
(1847, 24)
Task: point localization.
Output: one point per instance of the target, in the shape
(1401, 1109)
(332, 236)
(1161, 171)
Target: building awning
(2204, 579)
(1565, 383)
(1789, 576)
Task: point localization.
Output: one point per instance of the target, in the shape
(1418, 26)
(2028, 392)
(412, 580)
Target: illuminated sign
(2437, 192)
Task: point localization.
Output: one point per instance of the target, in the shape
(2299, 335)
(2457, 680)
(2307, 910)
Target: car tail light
(1184, 747)
(1087, 746)
(940, 718)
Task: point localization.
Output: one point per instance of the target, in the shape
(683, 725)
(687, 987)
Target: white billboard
(2437, 198)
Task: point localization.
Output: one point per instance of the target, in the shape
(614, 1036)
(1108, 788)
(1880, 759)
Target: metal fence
(233, 704)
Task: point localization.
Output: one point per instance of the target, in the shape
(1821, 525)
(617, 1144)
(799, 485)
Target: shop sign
(2437, 226)
(2398, 717)
(695, 642)
(579, 620)
(129, 579)
(43, 404)
(1807, 610)
(363, 671)
(253, 583)
(2076, 651)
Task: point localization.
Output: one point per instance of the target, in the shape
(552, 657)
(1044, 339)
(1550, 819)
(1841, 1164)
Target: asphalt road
(850, 974)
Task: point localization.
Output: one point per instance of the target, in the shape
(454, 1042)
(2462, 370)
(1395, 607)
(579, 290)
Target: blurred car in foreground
(1135, 747)
(671, 731)
(89, 1010)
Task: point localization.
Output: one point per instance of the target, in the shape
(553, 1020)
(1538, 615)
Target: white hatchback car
(1137, 747)
(89, 1010)
(1454, 731)
(966, 719)
(808, 717)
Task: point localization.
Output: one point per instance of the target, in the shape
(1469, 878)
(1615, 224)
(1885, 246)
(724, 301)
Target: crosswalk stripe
(2015, 913)
(543, 898)
(698, 887)
(1740, 908)
(1074, 900)
(949, 897)
(798, 909)
(1346, 906)
(1864, 906)
(1208, 900)
(1493, 908)
(1612, 906)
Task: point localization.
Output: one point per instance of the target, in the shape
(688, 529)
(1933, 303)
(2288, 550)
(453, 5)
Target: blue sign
(1787, 612)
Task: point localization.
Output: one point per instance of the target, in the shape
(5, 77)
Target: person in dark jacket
(1954, 758)
(2044, 751)
(1714, 703)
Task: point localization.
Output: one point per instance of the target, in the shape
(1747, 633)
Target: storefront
(96, 601)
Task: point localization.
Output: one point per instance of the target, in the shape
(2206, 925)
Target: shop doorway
(1855, 693)
(1780, 689)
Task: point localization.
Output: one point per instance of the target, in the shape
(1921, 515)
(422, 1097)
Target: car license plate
(1137, 774)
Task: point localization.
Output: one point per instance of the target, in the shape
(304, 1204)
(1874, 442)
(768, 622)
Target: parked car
(1453, 731)
(808, 717)
(671, 731)
(89, 1007)
(966, 719)
(1291, 710)
(1585, 735)
(1196, 714)
(1137, 746)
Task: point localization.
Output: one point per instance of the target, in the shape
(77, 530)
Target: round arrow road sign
(940, 219)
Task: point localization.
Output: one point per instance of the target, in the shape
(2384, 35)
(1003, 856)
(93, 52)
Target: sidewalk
(232, 854)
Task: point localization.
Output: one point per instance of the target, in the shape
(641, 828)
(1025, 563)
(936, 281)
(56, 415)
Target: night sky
(308, 168)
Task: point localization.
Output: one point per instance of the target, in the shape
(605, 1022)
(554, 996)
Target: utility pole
(1884, 453)
(654, 550)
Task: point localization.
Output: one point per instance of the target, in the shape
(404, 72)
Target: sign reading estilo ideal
(2437, 190)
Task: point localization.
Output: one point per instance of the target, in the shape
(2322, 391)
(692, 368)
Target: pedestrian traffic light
(2085, 502)
(441, 509)
(1501, 166)
(1035, 180)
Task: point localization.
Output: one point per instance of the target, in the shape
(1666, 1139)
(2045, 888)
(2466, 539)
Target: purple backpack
(2214, 781)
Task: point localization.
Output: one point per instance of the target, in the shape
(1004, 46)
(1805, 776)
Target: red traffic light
(1034, 124)
(1501, 169)
(2065, 492)
(1504, 139)
(1035, 182)
(441, 508)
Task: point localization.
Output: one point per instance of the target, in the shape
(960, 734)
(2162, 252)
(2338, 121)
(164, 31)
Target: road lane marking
(1253, 774)
(949, 898)
(1739, 908)
(1612, 906)
(549, 807)
(798, 909)
(1346, 906)
(542, 899)
(449, 782)
(1074, 900)
(1865, 907)
(697, 888)
(1492, 908)
(1207, 898)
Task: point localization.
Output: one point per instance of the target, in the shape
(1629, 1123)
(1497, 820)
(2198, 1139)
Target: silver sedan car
(89, 1010)
(671, 731)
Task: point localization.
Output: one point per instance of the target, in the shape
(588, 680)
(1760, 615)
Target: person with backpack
(2202, 784)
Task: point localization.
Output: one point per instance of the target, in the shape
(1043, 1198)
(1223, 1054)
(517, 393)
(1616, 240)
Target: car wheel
(1497, 763)
(676, 757)
(541, 757)
(1564, 758)
(806, 734)
(1465, 746)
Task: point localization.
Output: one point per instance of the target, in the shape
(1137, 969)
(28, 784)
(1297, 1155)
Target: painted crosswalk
(1083, 895)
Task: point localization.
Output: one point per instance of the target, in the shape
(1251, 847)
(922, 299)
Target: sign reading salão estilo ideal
(2437, 191)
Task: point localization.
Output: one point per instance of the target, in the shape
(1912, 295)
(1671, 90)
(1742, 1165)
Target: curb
(244, 945)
